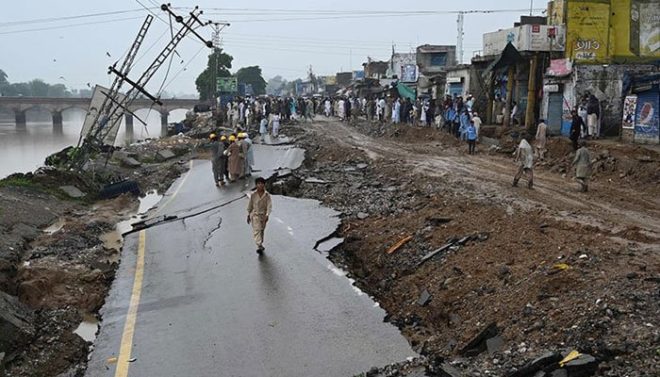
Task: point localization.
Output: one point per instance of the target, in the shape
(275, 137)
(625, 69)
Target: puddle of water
(55, 227)
(149, 201)
(87, 328)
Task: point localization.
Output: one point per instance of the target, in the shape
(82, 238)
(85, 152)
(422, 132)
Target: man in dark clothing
(576, 126)
(593, 116)
(347, 105)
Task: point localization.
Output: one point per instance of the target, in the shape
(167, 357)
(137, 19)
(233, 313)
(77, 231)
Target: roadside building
(517, 58)
(433, 62)
(613, 53)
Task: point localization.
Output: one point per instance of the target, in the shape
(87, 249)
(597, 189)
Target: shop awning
(509, 56)
(406, 92)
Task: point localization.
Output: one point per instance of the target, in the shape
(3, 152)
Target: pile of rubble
(480, 288)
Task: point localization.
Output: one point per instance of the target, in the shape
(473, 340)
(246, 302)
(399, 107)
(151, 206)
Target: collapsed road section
(191, 296)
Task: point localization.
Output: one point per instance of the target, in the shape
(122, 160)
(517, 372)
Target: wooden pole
(531, 93)
(509, 96)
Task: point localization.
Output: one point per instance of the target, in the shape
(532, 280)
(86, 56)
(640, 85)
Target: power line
(69, 26)
(352, 17)
(66, 18)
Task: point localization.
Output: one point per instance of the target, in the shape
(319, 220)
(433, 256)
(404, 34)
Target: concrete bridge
(20, 105)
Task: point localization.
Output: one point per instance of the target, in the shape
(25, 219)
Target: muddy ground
(549, 269)
(58, 254)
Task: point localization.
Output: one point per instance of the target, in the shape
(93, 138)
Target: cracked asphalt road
(191, 297)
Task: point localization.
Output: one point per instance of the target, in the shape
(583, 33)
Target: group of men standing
(232, 157)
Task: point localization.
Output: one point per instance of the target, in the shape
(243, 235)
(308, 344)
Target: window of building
(439, 59)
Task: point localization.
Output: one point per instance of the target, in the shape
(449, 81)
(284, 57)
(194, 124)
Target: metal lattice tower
(459, 41)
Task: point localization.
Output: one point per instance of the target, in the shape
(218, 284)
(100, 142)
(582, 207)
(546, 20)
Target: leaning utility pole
(107, 119)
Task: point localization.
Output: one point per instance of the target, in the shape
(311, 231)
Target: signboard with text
(526, 38)
(227, 85)
(588, 28)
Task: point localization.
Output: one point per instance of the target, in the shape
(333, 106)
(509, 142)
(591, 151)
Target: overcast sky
(284, 37)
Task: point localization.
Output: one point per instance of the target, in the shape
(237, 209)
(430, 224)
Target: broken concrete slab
(583, 365)
(130, 162)
(164, 155)
(537, 364)
(362, 215)
(72, 191)
(478, 343)
(424, 298)
(316, 180)
(16, 323)
(494, 345)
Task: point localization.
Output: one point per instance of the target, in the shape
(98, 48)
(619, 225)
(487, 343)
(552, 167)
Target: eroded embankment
(526, 273)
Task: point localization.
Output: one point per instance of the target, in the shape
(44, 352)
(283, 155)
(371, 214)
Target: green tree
(252, 76)
(3, 78)
(19, 89)
(218, 65)
(58, 90)
(39, 88)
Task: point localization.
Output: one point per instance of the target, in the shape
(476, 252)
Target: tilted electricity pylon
(107, 118)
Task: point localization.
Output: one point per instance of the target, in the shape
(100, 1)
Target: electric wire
(66, 18)
(69, 26)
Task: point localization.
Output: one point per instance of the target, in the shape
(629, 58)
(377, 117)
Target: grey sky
(75, 56)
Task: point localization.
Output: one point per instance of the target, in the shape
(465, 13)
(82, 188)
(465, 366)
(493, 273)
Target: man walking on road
(576, 126)
(525, 156)
(541, 139)
(582, 164)
(259, 208)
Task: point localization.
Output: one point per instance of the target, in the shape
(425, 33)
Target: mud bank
(482, 278)
(59, 250)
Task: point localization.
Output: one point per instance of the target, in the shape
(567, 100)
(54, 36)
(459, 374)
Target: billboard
(227, 84)
(588, 31)
(409, 73)
(601, 31)
(647, 125)
(526, 38)
(105, 128)
(636, 30)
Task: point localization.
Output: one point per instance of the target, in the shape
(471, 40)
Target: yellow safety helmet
(242, 135)
(213, 136)
(223, 138)
(232, 138)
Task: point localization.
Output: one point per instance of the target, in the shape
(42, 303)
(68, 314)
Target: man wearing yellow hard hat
(236, 158)
(246, 147)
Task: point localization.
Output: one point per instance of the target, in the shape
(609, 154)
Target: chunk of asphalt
(537, 364)
(424, 298)
(494, 345)
(478, 343)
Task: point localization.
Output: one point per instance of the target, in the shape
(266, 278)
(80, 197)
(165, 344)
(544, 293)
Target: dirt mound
(546, 282)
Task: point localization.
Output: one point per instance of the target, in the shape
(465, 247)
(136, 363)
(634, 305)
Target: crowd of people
(454, 114)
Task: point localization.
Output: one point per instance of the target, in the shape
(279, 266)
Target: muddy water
(24, 150)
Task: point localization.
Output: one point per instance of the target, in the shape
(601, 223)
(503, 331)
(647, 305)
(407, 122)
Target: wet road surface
(192, 298)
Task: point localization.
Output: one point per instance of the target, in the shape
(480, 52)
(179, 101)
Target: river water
(25, 150)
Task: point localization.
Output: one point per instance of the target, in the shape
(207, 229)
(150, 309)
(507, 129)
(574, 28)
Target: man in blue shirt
(471, 134)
